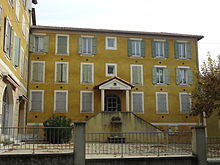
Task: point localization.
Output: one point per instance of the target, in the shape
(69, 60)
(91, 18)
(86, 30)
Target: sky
(199, 17)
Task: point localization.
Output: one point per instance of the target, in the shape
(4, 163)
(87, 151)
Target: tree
(206, 95)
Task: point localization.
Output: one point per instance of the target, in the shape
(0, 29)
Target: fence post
(199, 144)
(79, 143)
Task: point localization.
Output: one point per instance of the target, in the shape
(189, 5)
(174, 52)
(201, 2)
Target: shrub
(57, 129)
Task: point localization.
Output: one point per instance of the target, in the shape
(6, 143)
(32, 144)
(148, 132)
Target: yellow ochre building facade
(80, 73)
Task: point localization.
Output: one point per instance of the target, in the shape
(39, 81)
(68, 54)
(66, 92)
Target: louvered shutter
(80, 45)
(153, 48)
(40, 72)
(31, 44)
(16, 51)
(189, 50)
(190, 76)
(59, 66)
(86, 102)
(64, 73)
(166, 49)
(94, 45)
(137, 102)
(61, 102)
(134, 75)
(185, 103)
(162, 103)
(6, 35)
(61, 44)
(176, 46)
(46, 44)
(154, 75)
(36, 101)
(143, 48)
(167, 76)
(178, 76)
(129, 48)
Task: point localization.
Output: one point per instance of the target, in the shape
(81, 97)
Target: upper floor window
(160, 75)
(37, 71)
(137, 103)
(111, 70)
(185, 102)
(87, 73)
(37, 100)
(111, 43)
(11, 3)
(183, 76)
(136, 48)
(39, 43)
(87, 45)
(160, 49)
(183, 50)
(162, 102)
(62, 44)
(86, 101)
(137, 74)
(61, 72)
(17, 9)
(16, 59)
(61, 101)
(8, 40)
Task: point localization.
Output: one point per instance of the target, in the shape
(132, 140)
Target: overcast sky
(199, 17)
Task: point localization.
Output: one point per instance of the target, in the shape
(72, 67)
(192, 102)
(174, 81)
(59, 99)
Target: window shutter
(167, 76)
(176, 50)
(137, 102)
(40, 72)
(31, 44)
(36, 101)
(154, 75)
(143, 48)
(7, 32)
(153, 48)
(17, 51)
(94, 43)
(62, 45)
(64, 73)
(129, 48)
(87, 73)
(11, 42)
(59, 67)
(189, 50)
(190, 76)
(46, 43)
(178, 76)
(185, 103)
(80, 41)
(166, 49)
(86, 102)
(34, 71)
(139, 76)
(61, 102)
(162, 103)
(134, 75)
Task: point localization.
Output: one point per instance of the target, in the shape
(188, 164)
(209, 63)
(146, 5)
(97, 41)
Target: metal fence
(139, 143)
(213, 147)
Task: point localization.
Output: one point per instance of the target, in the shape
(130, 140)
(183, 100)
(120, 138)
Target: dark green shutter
(166, 49)
(154, 75)
(189, 50)
(17, 51)
(167, 76)
(129, 48)
(176, 50)
(143, 48)
(94, 43)
(153, 48)
(80, 45)
(190, 76)
(178, 76)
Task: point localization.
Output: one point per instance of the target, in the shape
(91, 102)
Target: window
(23, 25)
(137, 102)
(16, 51)
(61, 101)
(87, 45)
(39, 43)
(37, 100)
(160, 75)
(22, 63)
(160, 49)
(111, 43)
(136, 48)
(37, 71)
(86, 104)
(61, 72)
(183, 50)
(8, 40)
(62, 44)
(137, 74)
(185, 102)
(111, 70)
(0, 16)
(162, 102)
(11, 3)
(87, 73)
(183, 76)
(17, 9)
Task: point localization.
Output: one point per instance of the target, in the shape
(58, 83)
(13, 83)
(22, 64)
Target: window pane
(36, 101)
(87, 46)
(87, 73)
(62, 44)
(60, 102)
(185, 103)
(86, 102)
(137, 102)
(111, 43)
(162, 103)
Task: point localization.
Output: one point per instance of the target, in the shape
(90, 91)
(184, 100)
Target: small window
(185, 102)
(137, 102)
(160, 75)
(87, 73)
(17, 9)
(160, 49)
(87, 45)
(62, 44)
(111, 70)
(136, 48)
(137, 74)
(111, 43)
(22, 63)
(8, 41)
(162, 102)
(37, 100)
(183, 50)
(183, 76)
(61, 97)
(61, 72)
(86, 98)
(37, 71)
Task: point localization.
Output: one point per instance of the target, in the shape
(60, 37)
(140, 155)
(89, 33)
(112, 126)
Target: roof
(118, 32)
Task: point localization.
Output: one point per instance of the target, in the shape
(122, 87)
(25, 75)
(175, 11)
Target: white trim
(67, 51)
(115, 84)
(42, 107)
(35, 124)
(160, 66)
(106, 69)
(81, 92)
(67, 72)
(174, 124)
(39, 34)
(180, 101)
(115, 43)
(159, 40)
(182, 41)
(81, 72)
(183, 67)
(142, 81)
(136, 39)
(166, 93)
(132, 106)
(42, 62)
(85, 36)
(55, 94)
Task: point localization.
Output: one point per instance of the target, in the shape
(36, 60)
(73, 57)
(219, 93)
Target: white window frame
(17, 10)
(167, 103)
(164, 74)
(163, 48)
(81, 92)
(81, 72)
(43, 62)
(136, 40)
(180, 101)
(67, 52)
(115, 43)
(55, 93)
(142, 81)
(186, 68)
(67, 73)
(42, 98)
(106, 69)
(132, 106)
